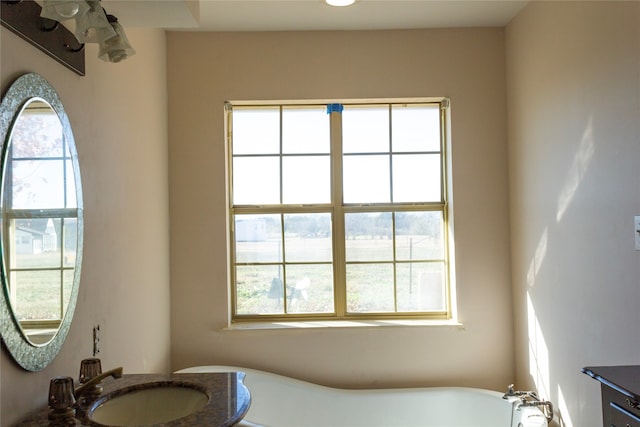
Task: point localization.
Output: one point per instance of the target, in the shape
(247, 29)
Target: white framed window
(40, 217)
(338, 210)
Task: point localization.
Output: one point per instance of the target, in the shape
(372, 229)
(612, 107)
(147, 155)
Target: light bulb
(340, 2)
(67, 10)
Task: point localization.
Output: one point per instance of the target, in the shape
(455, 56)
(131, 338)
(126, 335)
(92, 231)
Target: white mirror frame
(30, 356)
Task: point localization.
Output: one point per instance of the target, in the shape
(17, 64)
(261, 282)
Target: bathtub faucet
(529, 399)
(515, 393)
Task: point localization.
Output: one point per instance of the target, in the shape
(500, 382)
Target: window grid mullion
(395, 268)
(444, 174)
(283, 265)
(283, 260)
(339, 257)
(393, 212)
(281, 159)
(390, 154)
(63, 226)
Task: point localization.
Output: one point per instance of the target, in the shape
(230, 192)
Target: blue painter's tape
(334, 108)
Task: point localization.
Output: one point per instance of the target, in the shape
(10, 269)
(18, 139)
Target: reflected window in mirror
(40, 227)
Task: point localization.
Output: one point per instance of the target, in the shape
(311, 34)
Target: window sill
(328, 324)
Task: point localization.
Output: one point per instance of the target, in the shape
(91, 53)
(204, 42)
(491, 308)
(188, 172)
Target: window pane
(306, 179)
(37, 132)
(38, 295)
(256, 180)
(38, 184)
(70, 241)
(310, 288)
(419, 235)
(259, 289)
(305, 130)
(416, 178)
(71, 186)
(369, 236)
(366, 179)
(37, 243)
(370, 288)
(68, 276)
(365, 129)
(415, 127)
(308, 237)
(421, 287)
(258, 238)
(256, 130)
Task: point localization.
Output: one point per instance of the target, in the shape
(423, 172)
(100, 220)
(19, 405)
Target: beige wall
(118, 115)
(206, 69)
(574, 100)
(573, 73)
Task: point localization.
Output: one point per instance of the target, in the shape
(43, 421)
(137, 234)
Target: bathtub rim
(235, 368)
(485, 393)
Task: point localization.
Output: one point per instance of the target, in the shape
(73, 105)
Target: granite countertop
(228, 403)
(625, 379)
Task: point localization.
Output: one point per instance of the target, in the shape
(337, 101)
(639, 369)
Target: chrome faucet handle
(61, 401)
(510, 392)
(90, 368)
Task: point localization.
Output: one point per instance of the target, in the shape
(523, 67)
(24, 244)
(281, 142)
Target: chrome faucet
(64, 398)
(92, 387)
(511, 392)
(517, 393)
(529, 399)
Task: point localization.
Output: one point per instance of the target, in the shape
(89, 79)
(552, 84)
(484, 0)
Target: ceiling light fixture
(116, 49)
(92, 25)
(340, 3)
(23, 19)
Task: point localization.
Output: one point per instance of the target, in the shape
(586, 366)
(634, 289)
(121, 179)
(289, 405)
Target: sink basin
(150, 403)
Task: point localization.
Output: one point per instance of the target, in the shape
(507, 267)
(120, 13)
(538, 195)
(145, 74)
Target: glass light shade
(93, 26)
(62, 10)
(116, 49)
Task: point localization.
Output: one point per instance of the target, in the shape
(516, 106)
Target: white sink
(152, 403)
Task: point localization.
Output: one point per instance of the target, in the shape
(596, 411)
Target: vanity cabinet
(620, 387)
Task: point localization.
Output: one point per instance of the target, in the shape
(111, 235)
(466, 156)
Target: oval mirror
(41, 222)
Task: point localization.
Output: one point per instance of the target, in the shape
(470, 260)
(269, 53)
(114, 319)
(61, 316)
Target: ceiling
(296, 15)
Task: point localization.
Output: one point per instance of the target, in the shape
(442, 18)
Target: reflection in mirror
(41, 222)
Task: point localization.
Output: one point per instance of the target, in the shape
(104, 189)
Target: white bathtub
(278, 401)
